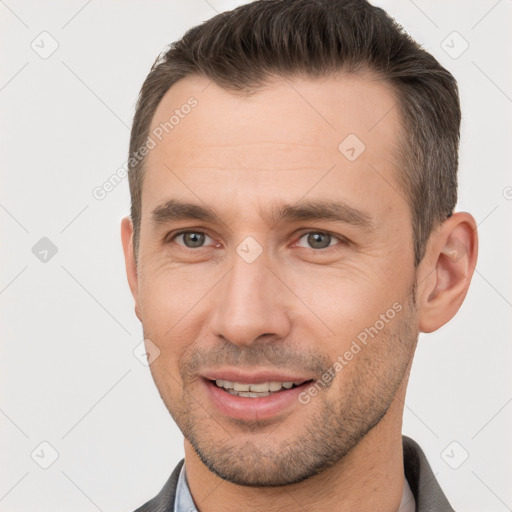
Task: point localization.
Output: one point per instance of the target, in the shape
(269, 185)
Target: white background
(68, 373)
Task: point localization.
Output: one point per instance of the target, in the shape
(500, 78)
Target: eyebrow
(318, 210)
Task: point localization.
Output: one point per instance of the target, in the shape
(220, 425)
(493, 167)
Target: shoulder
(428, 494)
(164, 500)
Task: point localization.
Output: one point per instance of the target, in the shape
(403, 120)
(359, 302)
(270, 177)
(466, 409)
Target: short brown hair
(241, 49)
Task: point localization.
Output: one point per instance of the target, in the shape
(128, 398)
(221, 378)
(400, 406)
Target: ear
(449, 263)
(131, 267)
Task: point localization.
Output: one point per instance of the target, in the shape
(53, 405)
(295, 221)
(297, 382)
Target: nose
(251, 304)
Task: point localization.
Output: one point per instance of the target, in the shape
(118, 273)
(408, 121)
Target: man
(293, 177)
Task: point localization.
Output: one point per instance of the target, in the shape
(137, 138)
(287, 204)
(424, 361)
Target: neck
(369, 477)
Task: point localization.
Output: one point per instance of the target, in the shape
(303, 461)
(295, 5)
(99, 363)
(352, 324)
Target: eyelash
(343, 241)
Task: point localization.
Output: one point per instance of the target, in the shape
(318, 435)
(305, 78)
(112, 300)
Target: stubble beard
(250, 454)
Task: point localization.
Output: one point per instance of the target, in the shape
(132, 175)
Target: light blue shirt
(185, 503)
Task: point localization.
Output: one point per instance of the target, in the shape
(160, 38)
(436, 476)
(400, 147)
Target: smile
(255, 390)
(254, 398)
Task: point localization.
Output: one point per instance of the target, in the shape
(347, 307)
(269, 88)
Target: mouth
(254, 397)
(259, 390)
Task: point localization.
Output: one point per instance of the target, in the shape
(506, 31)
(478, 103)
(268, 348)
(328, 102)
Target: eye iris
(196, 239)
(318, 240)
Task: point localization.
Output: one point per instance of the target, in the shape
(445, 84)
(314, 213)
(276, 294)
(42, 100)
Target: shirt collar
(184, 501)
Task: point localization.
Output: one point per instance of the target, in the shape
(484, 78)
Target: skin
(296, 306)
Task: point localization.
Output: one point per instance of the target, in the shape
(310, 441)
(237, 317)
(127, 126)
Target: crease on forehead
(180, 156)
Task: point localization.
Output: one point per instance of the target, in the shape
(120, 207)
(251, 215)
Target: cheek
(168, 293)
(343, 303)
(172, 305)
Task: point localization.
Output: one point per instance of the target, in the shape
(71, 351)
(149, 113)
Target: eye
(319, 240)
(315, 239)
(191, 239)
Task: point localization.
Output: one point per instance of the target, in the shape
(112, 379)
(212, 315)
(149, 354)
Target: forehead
(282, 140)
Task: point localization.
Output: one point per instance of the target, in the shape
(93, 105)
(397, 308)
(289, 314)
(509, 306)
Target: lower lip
(247, 408)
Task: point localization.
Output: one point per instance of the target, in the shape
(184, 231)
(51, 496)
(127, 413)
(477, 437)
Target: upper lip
(254, 377)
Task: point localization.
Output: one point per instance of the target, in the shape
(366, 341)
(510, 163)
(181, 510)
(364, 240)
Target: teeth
(276, 386)
(247, 394)
(224, 384)
(237, 386)
(262, 389)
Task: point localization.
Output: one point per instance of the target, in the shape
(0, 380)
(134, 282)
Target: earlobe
(453, 250)
(131, 267)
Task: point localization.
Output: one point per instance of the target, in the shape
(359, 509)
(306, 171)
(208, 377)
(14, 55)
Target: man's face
(253, 297)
